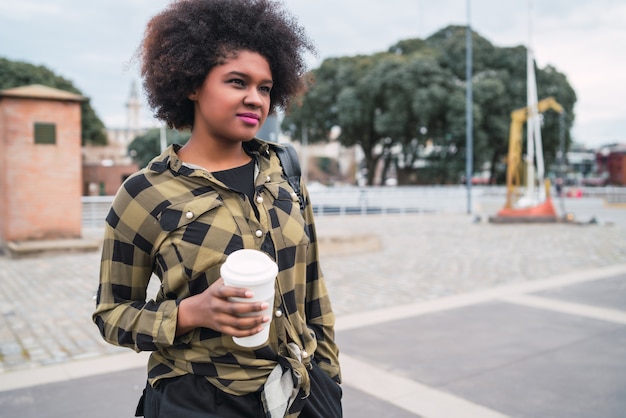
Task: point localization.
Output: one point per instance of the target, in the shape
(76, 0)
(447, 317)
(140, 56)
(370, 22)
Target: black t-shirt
(240, 178)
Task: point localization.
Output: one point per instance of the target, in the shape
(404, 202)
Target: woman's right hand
(213, 309)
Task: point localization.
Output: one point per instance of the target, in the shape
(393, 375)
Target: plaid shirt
(181, 223)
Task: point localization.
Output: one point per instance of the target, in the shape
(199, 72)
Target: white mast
(533, 129)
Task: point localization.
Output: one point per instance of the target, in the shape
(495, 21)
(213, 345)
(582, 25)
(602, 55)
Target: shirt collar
(169, 157)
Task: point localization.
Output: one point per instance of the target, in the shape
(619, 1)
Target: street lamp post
(162, 138)
(468, 111)
(304, 157)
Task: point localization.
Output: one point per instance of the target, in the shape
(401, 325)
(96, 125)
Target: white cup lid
(248, 268)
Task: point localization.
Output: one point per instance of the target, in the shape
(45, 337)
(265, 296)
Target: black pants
(192, 396)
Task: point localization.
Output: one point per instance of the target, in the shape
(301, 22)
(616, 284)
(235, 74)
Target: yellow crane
(514, 158)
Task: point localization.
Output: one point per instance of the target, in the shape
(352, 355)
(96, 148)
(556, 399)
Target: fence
(95, 210)
(612, 194)
(351, 200)
(381, 200)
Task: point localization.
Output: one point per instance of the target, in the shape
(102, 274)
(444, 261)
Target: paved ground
(438, 316)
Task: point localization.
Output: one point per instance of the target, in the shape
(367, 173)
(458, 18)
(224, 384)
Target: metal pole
(561, 171)
(162, 138)
(469, 127)
(304, 156)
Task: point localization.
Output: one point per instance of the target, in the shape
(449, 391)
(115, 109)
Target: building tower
(133, 109)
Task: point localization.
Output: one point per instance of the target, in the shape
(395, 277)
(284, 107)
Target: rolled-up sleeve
(122, 314)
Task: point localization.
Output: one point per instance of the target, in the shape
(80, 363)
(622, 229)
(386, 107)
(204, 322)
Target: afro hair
(190, 37)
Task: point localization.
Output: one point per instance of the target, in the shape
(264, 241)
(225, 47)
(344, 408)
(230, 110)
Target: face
(234, 100)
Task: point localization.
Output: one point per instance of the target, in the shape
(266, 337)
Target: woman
(219, 67)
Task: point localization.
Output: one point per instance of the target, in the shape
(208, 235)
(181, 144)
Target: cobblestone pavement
(432, 256)
(46, 302)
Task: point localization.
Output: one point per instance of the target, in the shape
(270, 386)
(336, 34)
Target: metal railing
(382, 200)
(351, 200)
(611, 194)
(95, 210)
(348, 200)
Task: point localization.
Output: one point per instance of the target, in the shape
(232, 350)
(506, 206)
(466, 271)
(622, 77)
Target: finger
(224, 291)
(245, 308)
(241, 332)
(250, 323)
(241, 326)
(230, 312)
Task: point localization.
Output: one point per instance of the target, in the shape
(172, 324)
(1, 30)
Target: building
(326, 163)
(612, 159)
(40, 172)
(106, 167)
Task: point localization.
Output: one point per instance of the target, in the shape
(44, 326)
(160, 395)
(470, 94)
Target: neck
(214, 156)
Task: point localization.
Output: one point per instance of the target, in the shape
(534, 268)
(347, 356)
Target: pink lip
(249, 118)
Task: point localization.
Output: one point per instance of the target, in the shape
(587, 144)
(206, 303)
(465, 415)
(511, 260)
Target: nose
(253, 98)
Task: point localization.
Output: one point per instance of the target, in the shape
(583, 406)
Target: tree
(357, 105)
(381, 102)
(450, 45)
(553, 83)
(499, 88)
(339, 95)
(493, 118)
(145, 147)
(413, 115)
(406, 106)
(17, 74)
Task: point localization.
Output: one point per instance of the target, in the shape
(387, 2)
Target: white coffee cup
(256, 271)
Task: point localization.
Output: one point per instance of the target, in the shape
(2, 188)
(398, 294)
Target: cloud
(92, 43)
(584, 43)
(26, 10)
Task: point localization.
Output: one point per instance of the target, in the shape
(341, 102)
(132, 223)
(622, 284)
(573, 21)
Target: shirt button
(294, 195)
(268, 179)
(278, 313)
(304, 354)
(189, 215)
(258, 233)
(259, 199)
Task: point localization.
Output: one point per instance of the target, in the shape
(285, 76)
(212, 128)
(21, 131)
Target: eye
(238, 82)
(265, 89)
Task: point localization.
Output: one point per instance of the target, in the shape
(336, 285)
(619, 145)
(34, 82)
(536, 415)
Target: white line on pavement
(71, 370)
(364, 319)
(578, 309)
(407, 394)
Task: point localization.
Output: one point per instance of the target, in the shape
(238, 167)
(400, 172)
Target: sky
(93, 43)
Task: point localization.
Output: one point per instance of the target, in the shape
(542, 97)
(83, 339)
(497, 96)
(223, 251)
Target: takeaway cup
(254, 270)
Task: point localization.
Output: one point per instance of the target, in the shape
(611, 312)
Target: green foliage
(407, 106)
(450, 44)
(553, 83)
(147, 146)
(408, 46)
(18, 74)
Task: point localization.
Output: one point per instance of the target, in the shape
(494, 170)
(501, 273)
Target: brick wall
(103, 180)
(617, 168)
(40, 184)
(3, 181)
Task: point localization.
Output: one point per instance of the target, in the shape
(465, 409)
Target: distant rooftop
(38, 91)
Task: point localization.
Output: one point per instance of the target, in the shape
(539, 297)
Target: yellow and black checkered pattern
(181, 223)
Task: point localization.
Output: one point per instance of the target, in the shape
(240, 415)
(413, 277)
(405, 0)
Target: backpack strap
(291, 167)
